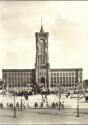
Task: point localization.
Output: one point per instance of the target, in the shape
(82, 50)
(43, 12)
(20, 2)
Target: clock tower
(42, 67)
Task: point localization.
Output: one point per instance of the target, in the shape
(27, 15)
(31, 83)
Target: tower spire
(41, 30)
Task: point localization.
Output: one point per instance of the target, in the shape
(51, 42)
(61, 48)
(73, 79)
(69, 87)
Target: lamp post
(78, 104)
(78, 95)
(21, 102)
(14, 108)
(3, 85)
(59, 96)
(7, 81)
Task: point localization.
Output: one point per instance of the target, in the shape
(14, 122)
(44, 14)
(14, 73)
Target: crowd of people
(36, 105)
(43, 104)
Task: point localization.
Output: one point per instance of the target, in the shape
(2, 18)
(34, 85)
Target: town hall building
(51, 79)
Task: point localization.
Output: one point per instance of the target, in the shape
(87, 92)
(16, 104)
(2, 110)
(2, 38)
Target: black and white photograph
(43, 62)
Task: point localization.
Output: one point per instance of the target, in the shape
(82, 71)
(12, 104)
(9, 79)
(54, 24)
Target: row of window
(18, 78)
(41, 73)
(64, 79)
(42, 67)
(41, 60)
(16, 86)
(64, 74)
(18, 81)
(18, 74)
(64, 85)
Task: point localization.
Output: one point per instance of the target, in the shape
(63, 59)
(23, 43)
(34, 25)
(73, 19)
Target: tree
(85, 84)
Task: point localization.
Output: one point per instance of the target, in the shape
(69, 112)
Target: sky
(66, 22)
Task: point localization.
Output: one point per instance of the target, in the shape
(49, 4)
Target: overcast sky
(66, 22)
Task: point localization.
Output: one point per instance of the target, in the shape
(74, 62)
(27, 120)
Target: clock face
(41, 41)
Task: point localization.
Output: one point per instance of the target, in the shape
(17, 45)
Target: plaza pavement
(44, 116)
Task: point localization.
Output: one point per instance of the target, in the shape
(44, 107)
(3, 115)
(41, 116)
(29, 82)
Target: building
(18, 79)
(66, 79)
(52, 79)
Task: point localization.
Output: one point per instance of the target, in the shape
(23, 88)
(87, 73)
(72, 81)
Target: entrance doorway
(42, 80)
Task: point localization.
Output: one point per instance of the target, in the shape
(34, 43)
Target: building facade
(52, 79)
(18, 79)
(66, 79)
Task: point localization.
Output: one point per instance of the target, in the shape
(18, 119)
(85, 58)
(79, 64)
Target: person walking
(36, 105)
(28, 106)
(17, 105)
(63, 105)
(41, 104)
(56, 104)
(47, 104)
(1, 105)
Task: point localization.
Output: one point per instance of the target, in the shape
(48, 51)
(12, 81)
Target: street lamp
(21, 102)
(78, 98)
(59, 96)
(78, 104)
(7, 81)
(14, 108)
(3, 85)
